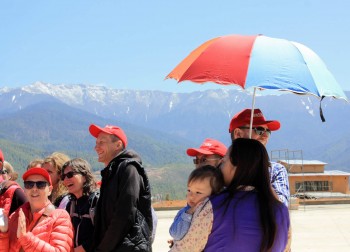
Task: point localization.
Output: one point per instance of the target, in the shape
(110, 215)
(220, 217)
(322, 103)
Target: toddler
(202, 183)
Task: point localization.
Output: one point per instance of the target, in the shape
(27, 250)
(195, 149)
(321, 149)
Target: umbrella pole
(251, 115)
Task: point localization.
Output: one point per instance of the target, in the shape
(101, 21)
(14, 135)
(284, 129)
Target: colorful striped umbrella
(259, 62)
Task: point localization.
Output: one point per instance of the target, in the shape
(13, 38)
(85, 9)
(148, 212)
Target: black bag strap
(321, 112)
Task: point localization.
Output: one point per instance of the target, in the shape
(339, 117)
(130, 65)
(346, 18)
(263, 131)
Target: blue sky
(135, 44)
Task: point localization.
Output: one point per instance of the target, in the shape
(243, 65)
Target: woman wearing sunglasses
(11, 194)
(81, 184)
(37, 225)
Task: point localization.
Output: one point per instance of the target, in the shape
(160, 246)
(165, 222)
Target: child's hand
(79, 249)
(171, 243)
(193, 208)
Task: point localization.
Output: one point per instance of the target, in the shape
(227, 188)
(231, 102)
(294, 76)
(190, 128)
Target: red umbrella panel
(259, 62)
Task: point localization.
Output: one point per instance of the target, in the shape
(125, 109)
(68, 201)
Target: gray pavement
(315, 228)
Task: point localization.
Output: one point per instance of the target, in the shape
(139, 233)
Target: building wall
(339, 183)
(309, 168)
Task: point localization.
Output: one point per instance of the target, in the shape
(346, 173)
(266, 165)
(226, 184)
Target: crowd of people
(237, 200)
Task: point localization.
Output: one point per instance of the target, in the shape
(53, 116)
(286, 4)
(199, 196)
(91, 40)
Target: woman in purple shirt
(247, 215)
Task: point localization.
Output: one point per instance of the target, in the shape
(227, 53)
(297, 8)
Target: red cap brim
(192, 152)
(273, 125)
(95, 130)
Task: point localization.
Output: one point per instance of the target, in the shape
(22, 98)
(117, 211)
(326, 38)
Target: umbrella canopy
(259, 62)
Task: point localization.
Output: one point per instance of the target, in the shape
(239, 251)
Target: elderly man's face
(107, 148)
(201, 160)
(260, 133)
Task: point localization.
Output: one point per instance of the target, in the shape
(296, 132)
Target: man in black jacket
(123, 219)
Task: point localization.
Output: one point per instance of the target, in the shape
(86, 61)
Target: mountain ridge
(198, 115)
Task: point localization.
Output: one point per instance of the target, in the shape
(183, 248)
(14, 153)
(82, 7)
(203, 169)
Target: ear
(119, 145)
(50, 189)
(237, 133)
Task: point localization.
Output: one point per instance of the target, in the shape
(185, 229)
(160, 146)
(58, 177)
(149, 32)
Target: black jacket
(123, 220)
(81, 212)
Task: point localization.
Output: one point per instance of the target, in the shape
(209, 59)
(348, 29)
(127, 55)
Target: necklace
(245, 188)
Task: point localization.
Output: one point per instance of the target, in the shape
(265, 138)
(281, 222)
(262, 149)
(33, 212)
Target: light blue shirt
(181, 224)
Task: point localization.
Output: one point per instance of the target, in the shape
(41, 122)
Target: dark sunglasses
(203, 160)
(259, 130)
(39, 184)
(68, 175)
(3, 172)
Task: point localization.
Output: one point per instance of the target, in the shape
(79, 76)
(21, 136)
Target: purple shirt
(239, 228)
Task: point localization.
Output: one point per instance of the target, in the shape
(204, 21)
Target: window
(314, 186)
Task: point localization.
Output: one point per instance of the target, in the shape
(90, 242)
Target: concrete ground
(315, 228)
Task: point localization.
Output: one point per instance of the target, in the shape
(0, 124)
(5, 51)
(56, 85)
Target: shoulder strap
(71, 208)
(93, 203)
(94, 197)
(9, 186)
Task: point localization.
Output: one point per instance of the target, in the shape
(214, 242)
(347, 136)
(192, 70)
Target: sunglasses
(3, 172)
(203, 160)
(259, 130)
(68, 175)
(39, 184)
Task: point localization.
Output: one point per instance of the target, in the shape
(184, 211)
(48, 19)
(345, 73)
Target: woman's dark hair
(83, 167)
(208, 171)
(251, 162)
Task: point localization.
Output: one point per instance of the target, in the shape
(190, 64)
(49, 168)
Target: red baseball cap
(208, 147)
(37, 171)
(243, 118)
(109, 129)
(2, 158)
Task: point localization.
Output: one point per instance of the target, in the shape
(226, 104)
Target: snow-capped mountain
(109, 102)
(195, 116)
(131, 105)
